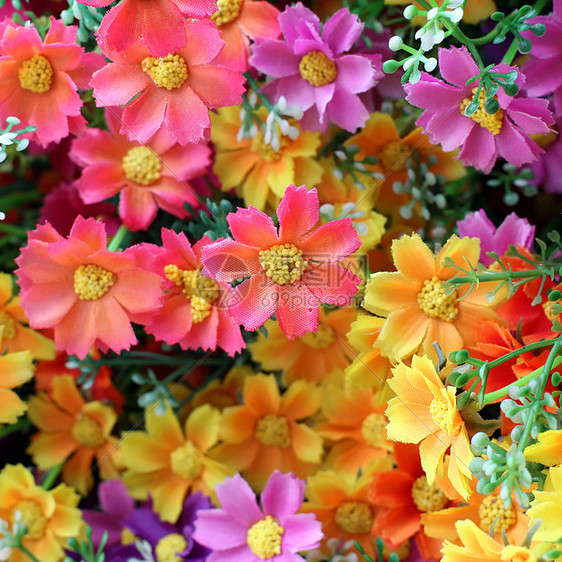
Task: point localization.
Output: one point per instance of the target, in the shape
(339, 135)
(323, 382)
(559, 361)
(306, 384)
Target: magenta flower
(312, 70)
(146, 177)
(513, 230)
(243, 532)
(176, 91)
(291, 271)
(548, 168)
(482, 137)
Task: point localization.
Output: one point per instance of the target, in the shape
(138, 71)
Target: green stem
(8, 429)
(115, 243)
(51, 477)
(488, 276)
(12, 201)
(256, 87)
(511, 52)
(27, 552)
(12, 229)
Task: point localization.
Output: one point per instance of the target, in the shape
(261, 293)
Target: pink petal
(211, 521)
(254, 301)
(296, 20)
(342, 30)
(530, 115)
(283, 495)
(355, 73)
(100, 181)
(121, 25)
(229, 336)
(275, 58)
(298, 212)
(515, 146)
(457, 66)
(187, 117)
(297, 311)
(431, 93)
(331, 242)
(450, 128)
(127, 291)
(113, 327)
(45, 312)
(137, 207)
(228, 260)
(164, 27)
(203, 43)
(479, 149)
(252, 228)
(82, 74)
(203, 335)
(260, 19)
(217, 86)
(76, 332)
(143, 117)
(117, 84)
(302, 532)
(239, 501)
(331, 283)
(347, 110)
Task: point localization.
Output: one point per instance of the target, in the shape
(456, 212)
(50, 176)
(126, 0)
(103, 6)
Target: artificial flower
(547, 506)
(176, 90)
(274, 531)
(290, 269)
(51, 516)
(82, 290)
(269, 430)
(548, 168)
(39, 79)
(474, 10)
(425, 411)
(418, 311)
(482, 136)
(74, 433)
(146, 176)
(548, 450)
(313, 69)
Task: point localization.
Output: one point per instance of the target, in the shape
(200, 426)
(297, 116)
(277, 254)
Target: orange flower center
(228, 10)
(321, 339)
(266, 151)
(7, 322)
(168, 548)
(264, 538)
(394, 155)
(91, 282)
(428, 497)
(32, 516)
(186, 461)
(317, 69)
(36, 74)
(88, 432)
(273, 430)
(373, 429)
(283, 263)
(354, 517)
(435, 303)
(491, 121)
(142, 166)
(201, 291)
(492, 508)
(168, 72)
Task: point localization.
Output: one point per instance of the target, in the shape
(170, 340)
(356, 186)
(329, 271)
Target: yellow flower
(548, 450)
(548, 506)
(418, 309)
(51, 516)
(167, 462)
(259, 173)
(424, 411)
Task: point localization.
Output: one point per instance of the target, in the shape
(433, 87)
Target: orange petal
(12, 406)
(300, 400)
(77, 471)
(144, 453)
(403, 333)
(66, 395)
(307, 444)
(389, 291)
(51, 448)
(463, 251)
(164, 428)
(261, 395)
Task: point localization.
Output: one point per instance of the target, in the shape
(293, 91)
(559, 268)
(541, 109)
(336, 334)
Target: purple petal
(283, 494)
(239, 501)
(298, 20)
(514, 230)
(515, 146)
(450, 128)
(115, 500)
(479, 149)
(192, 504)
(457, 66)
(530, 115)
(342, 30)
(145, 524)
(478, 225)
(433, 94)
(543, 76)
(275, 58)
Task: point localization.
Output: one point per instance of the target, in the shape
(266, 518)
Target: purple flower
(548, 168)
(482, 137)
(513, 230)
(312, 71)
(242, 532)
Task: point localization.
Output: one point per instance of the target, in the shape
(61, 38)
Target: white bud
(395, 43)
(282, 104)
(456, 15)
(410, 12)
(430, 64)
(432, 13)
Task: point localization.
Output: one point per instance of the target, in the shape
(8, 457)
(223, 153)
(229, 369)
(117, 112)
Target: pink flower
(548, 168)
(193, 312)
(291, 270)
(242, 531)
(39, 79)
(313, 71)
(85, 292)
(513, 230)
(176, 91)
(147, 177)
(161, 23)
(482, 137)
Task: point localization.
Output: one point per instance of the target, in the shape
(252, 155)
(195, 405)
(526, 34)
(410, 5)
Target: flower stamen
(168, 72)
(36, 74)
(283, 263)
(91, 282)
(354, 517)
(273, 431)
(264, 538)
(141, 165)
(491, 121)
(228, 10)
(317, 69)
(435, 303)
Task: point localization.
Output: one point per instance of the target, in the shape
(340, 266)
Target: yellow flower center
(273, 430)
(428, 497)
(394, 155)
(91, 282)
(513, 553)
(168, 72)
(492, 122)
(228, 10)
(435, 303)
(546, 306)
(168, 548)
(439, 410)
(354, 517)
(127, 537)
(88, 432)
(266, 151)
(32, 516)
(321, 339)
(264, 538)
(7, 322)
(142, 166)
(186, 461)
(373, 429)
(491, 508)
(317, 69)
(36, 74)
(201, 291)
(283, 263)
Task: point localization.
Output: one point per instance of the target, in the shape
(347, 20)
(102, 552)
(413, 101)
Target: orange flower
(15, 370)
(167, 462)
(418, 309)
(356, 425)
(311, 357)
(73, 429)
(17, 336)
(51, 516)
(259, 173)
(267, 432)
(424, 411)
